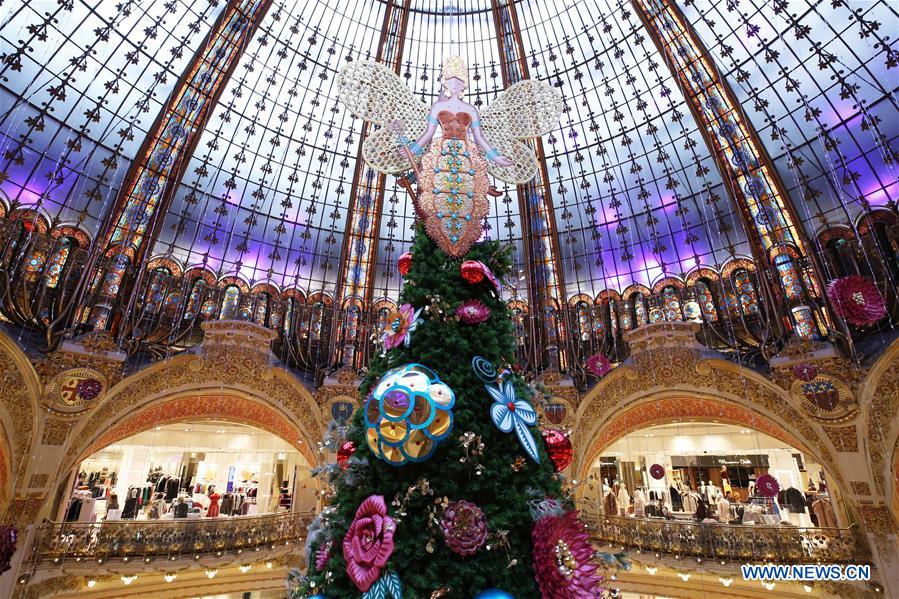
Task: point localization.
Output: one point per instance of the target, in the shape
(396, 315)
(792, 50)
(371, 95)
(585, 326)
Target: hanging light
(769, 586)
(269, 565)
(91, 583)
(129, 579)
(807, 588)
(244, 568)
(651, 570)
(725, 580)
(210, 572)
(170, 577)
(685, 576)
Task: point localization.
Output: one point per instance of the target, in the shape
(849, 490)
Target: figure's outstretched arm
(419, 145)
(490, 152)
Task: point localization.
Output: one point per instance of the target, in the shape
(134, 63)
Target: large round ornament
(558, 446)
(493, 594)
(657, 471)
(347, 449)
(408, 414)
(404, 264)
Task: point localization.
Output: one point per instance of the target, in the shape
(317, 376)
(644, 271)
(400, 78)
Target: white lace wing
(373, 92)
(526, 110)
(524, 162)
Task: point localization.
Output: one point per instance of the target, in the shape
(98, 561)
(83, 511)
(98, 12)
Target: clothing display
(213, 510)
(610, 504)
(793, 499)
(689, 502)
(171, 488)
(81, 507)
(624, 500)
(157, 507)
(824, 513)
(639, 503)
(180, 508)
(723, 509)
(285, 500)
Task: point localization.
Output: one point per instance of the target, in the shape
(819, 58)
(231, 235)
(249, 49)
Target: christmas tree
(449, 491)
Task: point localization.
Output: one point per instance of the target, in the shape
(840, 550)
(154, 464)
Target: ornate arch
(879, 401)
(668, 363)
(190, 407)
(677, 408)
(234, 360)
(21, 391)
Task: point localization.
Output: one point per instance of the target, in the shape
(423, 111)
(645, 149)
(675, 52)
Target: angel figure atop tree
(451, 167)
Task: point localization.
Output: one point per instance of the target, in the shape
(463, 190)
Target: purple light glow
(879, 196)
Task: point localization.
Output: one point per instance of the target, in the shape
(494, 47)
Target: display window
(190, 470)
(710, 471)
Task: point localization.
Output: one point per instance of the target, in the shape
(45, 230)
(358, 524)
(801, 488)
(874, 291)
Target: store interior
(205, 469)
(667, 470)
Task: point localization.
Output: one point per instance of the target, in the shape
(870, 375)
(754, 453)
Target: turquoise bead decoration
(408, 414)
(493, 594)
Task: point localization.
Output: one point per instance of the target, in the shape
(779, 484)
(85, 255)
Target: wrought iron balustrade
(745, 543)
(58, 542)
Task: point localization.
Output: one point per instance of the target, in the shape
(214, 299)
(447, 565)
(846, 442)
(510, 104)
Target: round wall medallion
(73, 390)
(825, 397)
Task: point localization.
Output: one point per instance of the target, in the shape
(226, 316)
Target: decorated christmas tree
(443, 486)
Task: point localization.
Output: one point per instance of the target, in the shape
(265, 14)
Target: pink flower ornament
(473, 312)
(563, 558)
(369, 542)
(400, 325)
(857, 300)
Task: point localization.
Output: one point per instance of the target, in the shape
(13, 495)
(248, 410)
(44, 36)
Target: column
(775, 234)
(546, 287)
(153, 178)
(357, 262)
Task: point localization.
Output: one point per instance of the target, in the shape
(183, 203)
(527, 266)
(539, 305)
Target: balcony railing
(747, 543)
(57, 543)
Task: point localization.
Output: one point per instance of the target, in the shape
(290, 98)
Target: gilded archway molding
(20, 388)
(677, 408)
(190, 407)
(661, 371)
(232, 370)
(879, 401)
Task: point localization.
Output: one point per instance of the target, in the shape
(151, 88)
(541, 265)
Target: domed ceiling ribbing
(265, 195)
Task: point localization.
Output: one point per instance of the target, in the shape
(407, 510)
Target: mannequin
(724, 508)
(113, 511)
(610, 502)
(214, 497)
(157, 507)
(624, 500)
(639, 504)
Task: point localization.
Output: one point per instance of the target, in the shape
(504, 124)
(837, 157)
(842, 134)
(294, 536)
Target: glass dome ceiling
(265, 195)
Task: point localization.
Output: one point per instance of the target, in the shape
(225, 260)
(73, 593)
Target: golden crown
(455, 67)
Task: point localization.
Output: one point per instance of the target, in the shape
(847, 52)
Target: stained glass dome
(266, 191)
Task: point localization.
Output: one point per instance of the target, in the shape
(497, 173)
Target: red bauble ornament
(347, 449)
(558, 446)
(404, 263)
(657, 471)
(472, 271)
(475, 271)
